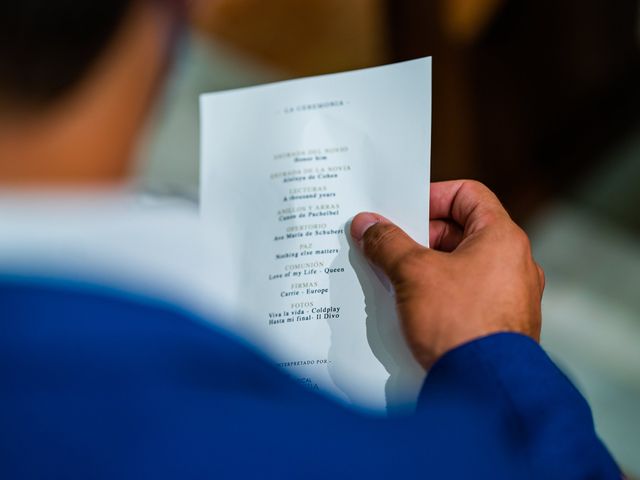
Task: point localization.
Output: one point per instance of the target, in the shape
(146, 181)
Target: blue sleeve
(536, 412)
(96, 384)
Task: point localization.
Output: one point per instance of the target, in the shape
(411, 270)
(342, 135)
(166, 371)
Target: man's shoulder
(90, 330)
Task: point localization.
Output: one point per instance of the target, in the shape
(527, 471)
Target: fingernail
(361, 223)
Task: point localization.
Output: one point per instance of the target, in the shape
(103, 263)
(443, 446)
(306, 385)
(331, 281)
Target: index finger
(468, 203)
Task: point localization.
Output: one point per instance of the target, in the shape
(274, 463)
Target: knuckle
(476, 185)
(377, 236)
(542, 275)
(477, 188)
(484, 194)
(410, 265)
(520, 239)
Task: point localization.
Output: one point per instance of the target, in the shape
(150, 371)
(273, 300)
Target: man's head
(48, 46)
(76, 81)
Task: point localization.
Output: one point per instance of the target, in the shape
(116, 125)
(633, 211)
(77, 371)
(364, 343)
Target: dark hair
(46, 46)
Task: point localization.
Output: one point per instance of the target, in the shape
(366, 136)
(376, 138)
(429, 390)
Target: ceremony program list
(284, 168)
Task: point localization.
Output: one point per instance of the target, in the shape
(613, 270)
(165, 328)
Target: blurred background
(539, 99)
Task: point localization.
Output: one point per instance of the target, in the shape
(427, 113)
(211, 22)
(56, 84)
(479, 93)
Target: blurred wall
(529, 95)
(300, 37)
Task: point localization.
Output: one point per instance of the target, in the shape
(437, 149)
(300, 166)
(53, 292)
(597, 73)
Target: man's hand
(478, 277)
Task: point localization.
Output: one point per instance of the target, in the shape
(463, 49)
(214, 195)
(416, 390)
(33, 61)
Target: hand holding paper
(455, 291)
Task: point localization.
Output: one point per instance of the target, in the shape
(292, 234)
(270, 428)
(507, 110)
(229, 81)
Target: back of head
(77, 80)
(46, 46)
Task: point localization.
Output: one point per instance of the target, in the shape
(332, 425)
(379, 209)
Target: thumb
(383, 243)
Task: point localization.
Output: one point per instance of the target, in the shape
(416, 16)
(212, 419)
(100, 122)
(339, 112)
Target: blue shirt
(98, 384)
